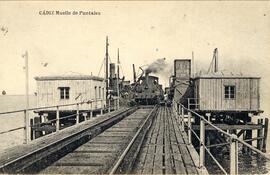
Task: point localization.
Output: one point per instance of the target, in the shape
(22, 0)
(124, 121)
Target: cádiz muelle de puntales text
(57, 12)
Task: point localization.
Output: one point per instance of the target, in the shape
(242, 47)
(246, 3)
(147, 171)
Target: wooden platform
(15, 159)
(98, 155)
(166, 149)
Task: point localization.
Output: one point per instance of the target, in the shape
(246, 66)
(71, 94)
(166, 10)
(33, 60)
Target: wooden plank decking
(166, 149)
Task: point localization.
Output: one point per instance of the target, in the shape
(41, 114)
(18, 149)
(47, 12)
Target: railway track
(165, 149)
(144, 140)
(112, 151)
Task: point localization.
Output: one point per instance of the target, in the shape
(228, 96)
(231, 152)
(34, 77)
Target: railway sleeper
(40, 158)
(127, 163)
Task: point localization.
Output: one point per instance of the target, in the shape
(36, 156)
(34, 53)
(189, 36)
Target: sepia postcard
(134, 87)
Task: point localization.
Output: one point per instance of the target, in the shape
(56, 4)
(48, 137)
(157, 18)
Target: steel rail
(62, 139)
(119, 161)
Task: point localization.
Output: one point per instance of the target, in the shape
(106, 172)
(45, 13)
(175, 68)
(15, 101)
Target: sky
(143, 31)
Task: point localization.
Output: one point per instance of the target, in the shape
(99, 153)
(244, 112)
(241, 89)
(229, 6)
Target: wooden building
(69, 89)
(229, 93)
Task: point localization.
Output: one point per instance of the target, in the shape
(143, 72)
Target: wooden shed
(69, 89)
(227, 93)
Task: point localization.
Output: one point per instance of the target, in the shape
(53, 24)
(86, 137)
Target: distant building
(68, 89)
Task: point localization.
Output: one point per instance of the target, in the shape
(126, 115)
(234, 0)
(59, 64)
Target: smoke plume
(157, 66)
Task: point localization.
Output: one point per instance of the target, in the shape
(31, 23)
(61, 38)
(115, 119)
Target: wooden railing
(112, 104)
(180, 110)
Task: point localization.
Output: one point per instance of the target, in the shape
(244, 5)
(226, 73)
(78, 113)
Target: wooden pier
(164, 147)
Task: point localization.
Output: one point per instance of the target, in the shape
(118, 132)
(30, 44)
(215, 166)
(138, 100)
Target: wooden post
(182, 119)
(189, 128)
(208, 116)
(109, 105)
(249, 133)
(26, 113)
(265, 134)
(77, 114)
(202, 142)
(101, 111)
(260, 134)
(33, 132)
(233, 155)
(27, 127)
(91, 114)
(57, 122)
(179, 115)
(118, 103)
(84, 116)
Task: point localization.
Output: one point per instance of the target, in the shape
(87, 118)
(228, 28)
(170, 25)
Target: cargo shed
(69, 89)
(232, 93)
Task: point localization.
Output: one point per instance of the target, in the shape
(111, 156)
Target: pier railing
(55, 122)
(180, 111)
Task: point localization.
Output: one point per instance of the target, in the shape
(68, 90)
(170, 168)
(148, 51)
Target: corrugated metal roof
(69, 77)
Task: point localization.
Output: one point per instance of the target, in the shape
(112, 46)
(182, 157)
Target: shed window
(64, 92)
(229, 92)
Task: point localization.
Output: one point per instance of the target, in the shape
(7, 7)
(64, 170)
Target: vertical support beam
(208, 116)
(202, 142)
(101, 111)
(84, 116)
(109, 105)
(233, 155)
(33, 132)
(265, 134)
(182, 119)
(77, 114)
(26, 113)
(189, 128)
(260, 134)
(118, 76)
(91, 112)
(106, 67)
(177, 113)
(57, 122)
(244, 148)
(249, 133)
(27, 127)
(180, 115)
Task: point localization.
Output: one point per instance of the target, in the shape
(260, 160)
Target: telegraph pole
(106, 67)
(26, 113)
(117, 78)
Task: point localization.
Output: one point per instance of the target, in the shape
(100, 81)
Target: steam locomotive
(147, 90)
